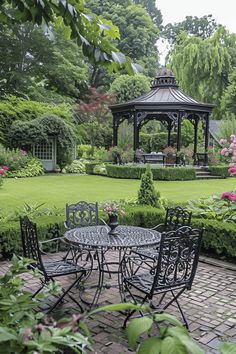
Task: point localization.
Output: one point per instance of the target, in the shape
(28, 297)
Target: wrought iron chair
(50, 269)
(174, 272)
(82, 214)
(175, 218)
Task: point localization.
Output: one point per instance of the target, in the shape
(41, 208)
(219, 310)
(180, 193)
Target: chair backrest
(178, 258)
(30, 242)
(81, 214)
(176, 217)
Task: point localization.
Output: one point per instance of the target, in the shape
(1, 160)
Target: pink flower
(223, 141)
(234, 158)
(5, 168)
(229, 196)
(224, 152)
(2, 172)
(232, 137)
(232, 170)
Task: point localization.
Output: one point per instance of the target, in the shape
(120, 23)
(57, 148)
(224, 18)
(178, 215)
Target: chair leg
(65, 293)
(38, 291)
(175, 298)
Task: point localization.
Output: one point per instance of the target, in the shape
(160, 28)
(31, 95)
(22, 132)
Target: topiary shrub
(147, 194)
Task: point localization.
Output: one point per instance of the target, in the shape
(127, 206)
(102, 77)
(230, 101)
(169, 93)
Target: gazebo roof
(164, 95)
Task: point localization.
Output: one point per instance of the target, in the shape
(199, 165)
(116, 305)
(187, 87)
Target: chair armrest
(103, 222)
(159, 227)
(52, 240)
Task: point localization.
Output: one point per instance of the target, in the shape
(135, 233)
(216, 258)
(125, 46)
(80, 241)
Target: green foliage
(24, 330)
(127, 87)
(220, 170)
(213, 208)
(228, 99)
(227, 126)
(138, 31)
(94, 34)
(203, 27)
(26, 134)
(15, 159)
(34, 167)
(94, 133)
(100, 169)
(89, 168)
(159, 173)
(155, 142)
(202, 66)
(147, 195)
(77, 166)
(171, 337)
(13, 108)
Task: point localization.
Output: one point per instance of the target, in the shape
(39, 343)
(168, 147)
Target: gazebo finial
(165, 78)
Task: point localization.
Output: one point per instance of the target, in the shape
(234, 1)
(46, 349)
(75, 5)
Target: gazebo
(168, 104)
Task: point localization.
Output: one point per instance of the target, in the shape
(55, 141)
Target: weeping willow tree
(202, 66)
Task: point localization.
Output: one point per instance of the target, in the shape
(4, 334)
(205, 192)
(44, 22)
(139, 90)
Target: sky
(224, 12)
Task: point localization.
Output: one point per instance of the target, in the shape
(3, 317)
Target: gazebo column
(169, 133)
(206, 138)
(196, 120)
(179, 123)
(115, 130)
(136, 135)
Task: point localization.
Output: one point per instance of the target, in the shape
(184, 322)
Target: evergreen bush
(147, 194)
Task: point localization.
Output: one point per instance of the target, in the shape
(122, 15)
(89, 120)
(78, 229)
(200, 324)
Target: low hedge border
(220, 171)
(89, 167)
(218, 237)
(159, 173)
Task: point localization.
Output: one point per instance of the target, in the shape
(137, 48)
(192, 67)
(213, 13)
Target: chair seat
(61, 267)
(142, 282)
(148, 253)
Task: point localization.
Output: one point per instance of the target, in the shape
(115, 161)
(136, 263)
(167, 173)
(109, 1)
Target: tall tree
(204, 27)
(37, 66)
(138, 33)
(202, 66)
(153, 11)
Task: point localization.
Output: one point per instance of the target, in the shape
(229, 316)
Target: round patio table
(97, 238)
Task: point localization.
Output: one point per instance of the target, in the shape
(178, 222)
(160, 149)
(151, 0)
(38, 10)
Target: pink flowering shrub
(230, 151)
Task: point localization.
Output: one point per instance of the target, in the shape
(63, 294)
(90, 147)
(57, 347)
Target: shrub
(77, 166)
(159, 173)
(33, 168)
(26, 134)
(127, 87)
(14, 108)
(147, 194)
(14, 159)
(89, 167)
(156, 142)
(100, 169)
(218, 237)
(85, 151)
(220, 170)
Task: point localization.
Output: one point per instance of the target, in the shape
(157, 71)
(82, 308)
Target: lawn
(59, 190)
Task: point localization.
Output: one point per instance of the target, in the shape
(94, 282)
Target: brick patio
(210, 308)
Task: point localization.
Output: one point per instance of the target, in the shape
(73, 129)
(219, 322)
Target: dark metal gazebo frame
(168, 104)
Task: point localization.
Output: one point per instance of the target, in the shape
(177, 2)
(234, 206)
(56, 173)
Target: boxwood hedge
(218, 237)
(220, 171)
(159, 173)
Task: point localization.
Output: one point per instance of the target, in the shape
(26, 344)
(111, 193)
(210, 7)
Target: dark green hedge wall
(159, 173)
(219, 237)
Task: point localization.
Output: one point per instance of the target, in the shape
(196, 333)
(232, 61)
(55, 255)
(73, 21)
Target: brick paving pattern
(210, 308)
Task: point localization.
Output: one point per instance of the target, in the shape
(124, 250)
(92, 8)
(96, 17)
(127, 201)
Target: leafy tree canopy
(127, 87)
(153, 11)
(39, 67)
(204, 27)
(202, 66)
(93, 33)
(138, 33)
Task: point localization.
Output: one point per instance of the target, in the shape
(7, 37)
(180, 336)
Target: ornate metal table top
(128, 237)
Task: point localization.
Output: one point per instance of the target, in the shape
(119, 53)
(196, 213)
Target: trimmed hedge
(89, 167)
(218, 237)
(220, 171)
(159, 173)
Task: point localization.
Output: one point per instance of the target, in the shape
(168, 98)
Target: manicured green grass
(59, 190)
